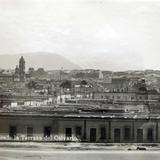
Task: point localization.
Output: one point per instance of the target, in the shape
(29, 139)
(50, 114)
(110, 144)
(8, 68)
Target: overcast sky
(105, 34)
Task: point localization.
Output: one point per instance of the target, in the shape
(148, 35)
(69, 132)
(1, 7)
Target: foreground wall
(111, 130)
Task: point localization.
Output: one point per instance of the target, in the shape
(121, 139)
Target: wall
(58, 126)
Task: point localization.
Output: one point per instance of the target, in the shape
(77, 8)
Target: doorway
(93, 134)
(117, 135)
(12, 131)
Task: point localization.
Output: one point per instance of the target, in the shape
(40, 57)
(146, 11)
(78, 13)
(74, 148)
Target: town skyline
(79, 79)
(54, 61)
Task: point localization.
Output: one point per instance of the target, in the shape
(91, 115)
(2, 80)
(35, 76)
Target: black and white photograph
(79, 79)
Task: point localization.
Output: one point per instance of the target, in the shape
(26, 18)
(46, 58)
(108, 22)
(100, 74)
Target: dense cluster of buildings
(79, 105)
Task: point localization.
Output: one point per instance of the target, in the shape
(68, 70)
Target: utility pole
(60, 82)
(30, 95)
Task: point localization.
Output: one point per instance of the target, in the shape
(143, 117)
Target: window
(29, 131)
(127, 133)
(68, 132)
(103, 133)
(150, 134)
(78, 131)
(139, 135)
(107, 97)
(47, 131)
(12, 131)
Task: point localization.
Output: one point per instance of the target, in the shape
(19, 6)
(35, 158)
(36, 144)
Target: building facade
(83, 127)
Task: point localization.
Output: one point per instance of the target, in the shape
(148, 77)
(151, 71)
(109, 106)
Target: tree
(31, 84)
(66, 84)
(83, 82)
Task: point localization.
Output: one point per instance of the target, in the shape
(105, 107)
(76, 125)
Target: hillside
(39, 59)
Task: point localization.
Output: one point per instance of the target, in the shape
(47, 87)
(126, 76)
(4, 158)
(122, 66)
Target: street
(19, 154)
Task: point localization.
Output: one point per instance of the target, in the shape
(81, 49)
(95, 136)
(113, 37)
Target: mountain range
(48, 61)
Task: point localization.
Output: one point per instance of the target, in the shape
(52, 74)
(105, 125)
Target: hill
(47, 61)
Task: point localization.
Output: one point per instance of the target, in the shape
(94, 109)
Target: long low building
(75, 124)
(127, 96)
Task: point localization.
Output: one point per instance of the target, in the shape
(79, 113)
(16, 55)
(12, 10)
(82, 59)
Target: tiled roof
(73, 112)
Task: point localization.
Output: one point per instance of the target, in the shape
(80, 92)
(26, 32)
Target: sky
(99, 34)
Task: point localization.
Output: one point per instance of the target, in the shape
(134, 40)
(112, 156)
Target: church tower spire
(22, 69)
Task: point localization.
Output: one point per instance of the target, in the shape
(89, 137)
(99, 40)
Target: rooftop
(74, 111)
